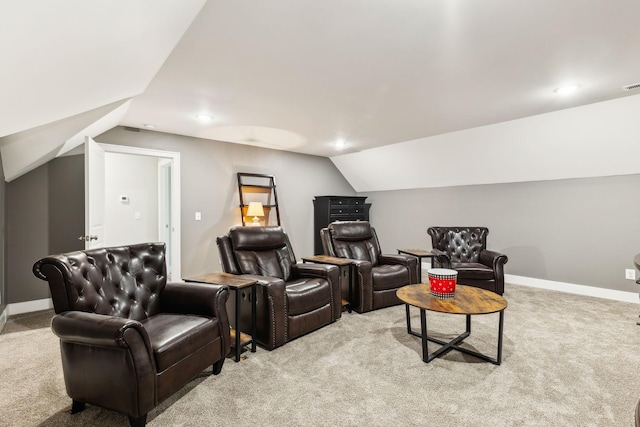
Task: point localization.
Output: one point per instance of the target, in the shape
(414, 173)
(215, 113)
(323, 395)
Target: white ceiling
(298, 74)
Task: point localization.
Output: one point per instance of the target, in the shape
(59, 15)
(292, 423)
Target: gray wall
(45, 214)
(209, 186)
(581, 231)
(66, 204)
(27, 234)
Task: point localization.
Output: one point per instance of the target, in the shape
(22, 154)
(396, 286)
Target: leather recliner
(375, 276)
(128, 338)
(291, 299)
(464, 249)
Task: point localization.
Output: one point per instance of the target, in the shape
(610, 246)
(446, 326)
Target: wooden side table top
(220, 278)
(467, 300)
(326, 259)
(416, 252)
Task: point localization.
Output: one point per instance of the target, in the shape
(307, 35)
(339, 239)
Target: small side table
(236, 284)
(418, 253)
(345, 272)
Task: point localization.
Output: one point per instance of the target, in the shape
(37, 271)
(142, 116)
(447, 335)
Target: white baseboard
(571, 288)
(29, 306)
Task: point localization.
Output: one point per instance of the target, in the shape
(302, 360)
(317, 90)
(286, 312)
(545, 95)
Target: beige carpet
(568, 361)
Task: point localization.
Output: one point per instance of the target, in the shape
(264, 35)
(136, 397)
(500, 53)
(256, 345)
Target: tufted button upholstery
(292, 299)
(376, 276)
(128, 338)
(123, 282)
(464, 249)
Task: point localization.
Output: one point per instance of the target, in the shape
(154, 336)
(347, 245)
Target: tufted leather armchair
(292, 299)
(128, 338)
(376, 276)
(464, 249)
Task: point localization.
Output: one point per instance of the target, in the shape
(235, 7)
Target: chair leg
(217, 367)
(77, 406)
(141, 421)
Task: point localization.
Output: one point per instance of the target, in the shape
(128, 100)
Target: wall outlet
(630, 274)
(198, 216)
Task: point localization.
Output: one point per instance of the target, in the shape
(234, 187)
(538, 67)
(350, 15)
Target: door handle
(88, 238)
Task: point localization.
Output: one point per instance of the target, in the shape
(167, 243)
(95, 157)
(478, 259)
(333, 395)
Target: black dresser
(327, 209)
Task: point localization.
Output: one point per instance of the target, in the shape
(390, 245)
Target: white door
(94, 194)
(95, 197)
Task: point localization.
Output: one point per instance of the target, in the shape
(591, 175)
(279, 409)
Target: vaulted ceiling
(298, 75)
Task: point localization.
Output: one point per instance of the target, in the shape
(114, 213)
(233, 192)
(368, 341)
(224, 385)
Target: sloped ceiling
(67, 65)
(299, 74)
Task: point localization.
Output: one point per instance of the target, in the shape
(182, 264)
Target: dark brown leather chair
(292, 299)
(128, 338)
(464, 249)
(375, 277)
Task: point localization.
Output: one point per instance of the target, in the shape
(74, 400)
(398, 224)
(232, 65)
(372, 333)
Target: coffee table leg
(408, 319)
(500, 327)
(425, 339)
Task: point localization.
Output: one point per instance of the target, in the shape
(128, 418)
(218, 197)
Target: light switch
(138, 215)
(198, 216)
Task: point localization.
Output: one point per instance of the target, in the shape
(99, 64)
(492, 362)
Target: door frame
(173, 247)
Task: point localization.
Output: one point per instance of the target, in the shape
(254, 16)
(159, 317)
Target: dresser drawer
(343, 202)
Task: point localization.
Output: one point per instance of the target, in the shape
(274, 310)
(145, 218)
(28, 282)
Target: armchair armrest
(493, 259)
(274, 285)
(331, 274)
(275, 300)
(96, 339)
(201, 299)
(407, 260)
(194, 298)
(442, 258)
(325, 271)
(496, 261)
(362, 280)
(96, 329)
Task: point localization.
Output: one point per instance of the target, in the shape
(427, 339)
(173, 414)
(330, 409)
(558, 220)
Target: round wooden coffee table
(468, 300)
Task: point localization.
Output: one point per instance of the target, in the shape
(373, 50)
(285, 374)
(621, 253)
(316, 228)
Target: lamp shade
(255, 209)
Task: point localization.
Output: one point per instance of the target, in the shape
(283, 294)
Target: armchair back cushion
(121, 282)
(355, 240)
(263, 252)
(461, 244)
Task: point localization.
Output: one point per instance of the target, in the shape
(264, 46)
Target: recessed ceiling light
(204, 117)
(149, 126)
(566, 90)
(340, 144)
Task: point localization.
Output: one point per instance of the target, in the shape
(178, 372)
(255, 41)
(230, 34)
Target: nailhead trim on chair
(364, 305)
(286, 320)
(273, 321)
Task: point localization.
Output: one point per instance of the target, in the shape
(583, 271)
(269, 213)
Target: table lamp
(255, 210)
